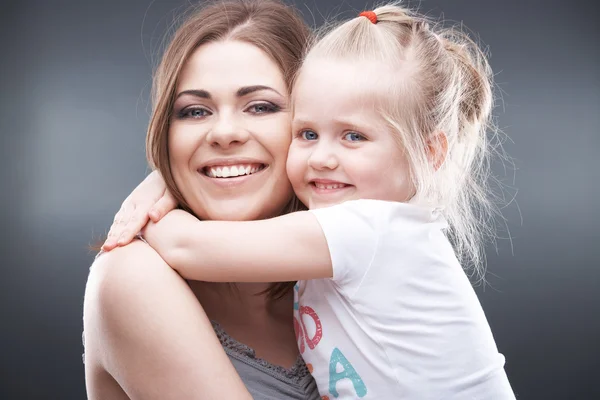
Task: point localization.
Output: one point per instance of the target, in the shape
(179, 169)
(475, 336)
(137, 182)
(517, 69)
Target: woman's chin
(245, 208)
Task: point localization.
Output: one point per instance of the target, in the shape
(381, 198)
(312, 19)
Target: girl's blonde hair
(441, 83)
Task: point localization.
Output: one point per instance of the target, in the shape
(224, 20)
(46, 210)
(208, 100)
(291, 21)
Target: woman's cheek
(181, 146)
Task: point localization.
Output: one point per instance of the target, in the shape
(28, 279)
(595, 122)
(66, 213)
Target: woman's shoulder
(123, 266)
(136, 252)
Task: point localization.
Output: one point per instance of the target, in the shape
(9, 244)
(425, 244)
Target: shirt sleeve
(352, 232)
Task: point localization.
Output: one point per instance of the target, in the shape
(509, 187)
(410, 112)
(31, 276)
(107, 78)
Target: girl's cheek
(294, 164)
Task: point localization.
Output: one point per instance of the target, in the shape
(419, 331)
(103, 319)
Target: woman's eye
(309, 135)
(194, 113)
(263, 108)
(354, 137)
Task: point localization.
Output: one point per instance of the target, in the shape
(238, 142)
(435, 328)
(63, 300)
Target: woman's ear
(437, 146)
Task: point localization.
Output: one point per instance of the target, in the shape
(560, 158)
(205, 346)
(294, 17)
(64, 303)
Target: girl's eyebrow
(350, 122)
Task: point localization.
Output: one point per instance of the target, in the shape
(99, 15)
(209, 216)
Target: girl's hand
(150, 199)
(170, 233)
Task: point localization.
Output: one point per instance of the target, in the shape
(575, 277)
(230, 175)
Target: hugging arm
(287, 248)
(149, 200)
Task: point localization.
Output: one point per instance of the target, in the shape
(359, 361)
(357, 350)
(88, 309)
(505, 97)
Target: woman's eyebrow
(243, 91)
(195, 92)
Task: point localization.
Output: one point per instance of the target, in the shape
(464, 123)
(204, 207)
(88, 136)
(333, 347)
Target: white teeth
(329, 186)
(231, 171)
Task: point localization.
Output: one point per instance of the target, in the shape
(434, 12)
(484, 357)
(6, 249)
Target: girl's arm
(150, 199)
(287, 248)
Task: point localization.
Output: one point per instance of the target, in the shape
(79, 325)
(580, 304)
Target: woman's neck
(240, 301)
(253, 319)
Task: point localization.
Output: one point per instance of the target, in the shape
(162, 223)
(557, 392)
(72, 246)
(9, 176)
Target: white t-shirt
(399, 319)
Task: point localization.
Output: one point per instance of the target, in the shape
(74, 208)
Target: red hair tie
(371, 16)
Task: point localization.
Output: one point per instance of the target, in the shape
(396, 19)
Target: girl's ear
(437, 146)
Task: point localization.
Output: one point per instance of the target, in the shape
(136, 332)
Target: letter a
(347, 373)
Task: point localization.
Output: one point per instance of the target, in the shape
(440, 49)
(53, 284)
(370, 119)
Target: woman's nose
(227, 132)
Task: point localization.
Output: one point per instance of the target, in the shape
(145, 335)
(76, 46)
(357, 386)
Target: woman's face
(230, 132)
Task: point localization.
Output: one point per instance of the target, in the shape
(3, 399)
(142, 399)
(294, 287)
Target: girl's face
(342, 148)
(230, 132)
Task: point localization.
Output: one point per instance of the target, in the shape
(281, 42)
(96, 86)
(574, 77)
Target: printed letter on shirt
(314, 341)
(348, 372)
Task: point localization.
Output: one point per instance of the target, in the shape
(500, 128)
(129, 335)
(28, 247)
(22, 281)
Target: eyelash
(361, 137)
(270, 108)
(184, 113)
(301, 133)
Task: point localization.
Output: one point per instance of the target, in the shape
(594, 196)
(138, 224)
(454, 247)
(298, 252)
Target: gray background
(74, 83)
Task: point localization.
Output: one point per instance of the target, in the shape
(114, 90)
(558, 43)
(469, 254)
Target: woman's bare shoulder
(124, 268)
(136, 252)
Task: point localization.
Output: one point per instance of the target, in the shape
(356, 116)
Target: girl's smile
(342, 148)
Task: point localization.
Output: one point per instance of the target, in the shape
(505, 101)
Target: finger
(128, 215)
(165, 204)
(117, 226)
(122, 215)
(118, 216)
(126, 237)
(111, 241)
(108, 245)
(116, 229)
(133, 227)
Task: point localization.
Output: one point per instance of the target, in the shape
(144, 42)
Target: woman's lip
(225, 171)
(225, 162)
(233, 181)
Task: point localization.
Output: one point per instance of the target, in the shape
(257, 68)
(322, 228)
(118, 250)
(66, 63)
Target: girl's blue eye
(353, 137)
(309, 135)
(194, 112)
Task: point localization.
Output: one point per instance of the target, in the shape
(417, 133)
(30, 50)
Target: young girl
(390, 119)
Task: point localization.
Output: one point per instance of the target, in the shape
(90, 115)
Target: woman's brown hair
(270, 25)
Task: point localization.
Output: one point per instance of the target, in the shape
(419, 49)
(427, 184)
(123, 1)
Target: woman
(220, 103)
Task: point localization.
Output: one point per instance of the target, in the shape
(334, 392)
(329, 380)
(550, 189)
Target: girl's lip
(315, 182)
(317, 186)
